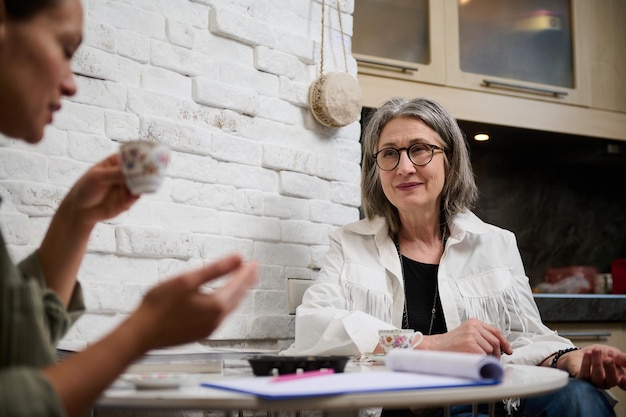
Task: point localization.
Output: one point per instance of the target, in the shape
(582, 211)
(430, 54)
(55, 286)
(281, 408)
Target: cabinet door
(608, 56)
(530, 48)
(400, 39)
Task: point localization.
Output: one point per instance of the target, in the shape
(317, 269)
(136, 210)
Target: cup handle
(417, 339)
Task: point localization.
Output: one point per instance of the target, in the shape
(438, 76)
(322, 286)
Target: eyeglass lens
(419, 154)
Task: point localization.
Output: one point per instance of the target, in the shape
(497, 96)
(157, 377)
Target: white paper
(464, 365)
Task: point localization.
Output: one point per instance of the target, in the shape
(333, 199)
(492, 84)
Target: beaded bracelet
(561, 353)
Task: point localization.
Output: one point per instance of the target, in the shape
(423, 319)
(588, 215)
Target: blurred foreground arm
(172, 313)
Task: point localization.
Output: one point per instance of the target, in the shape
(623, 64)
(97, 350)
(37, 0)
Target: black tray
(263, 365)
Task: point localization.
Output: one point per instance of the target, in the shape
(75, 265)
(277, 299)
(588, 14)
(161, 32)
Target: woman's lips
(53, 108)
(408, 185)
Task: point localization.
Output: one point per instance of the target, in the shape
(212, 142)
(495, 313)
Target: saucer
(155, 380)
(375, 358)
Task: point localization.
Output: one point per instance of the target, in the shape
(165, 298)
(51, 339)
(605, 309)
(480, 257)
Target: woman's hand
(599, 364)
(473, 336)
(180, 311)
(100, 193)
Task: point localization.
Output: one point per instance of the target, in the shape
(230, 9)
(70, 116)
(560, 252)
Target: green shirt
(32, 320)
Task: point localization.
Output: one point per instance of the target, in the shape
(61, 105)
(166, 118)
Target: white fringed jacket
(359, 290)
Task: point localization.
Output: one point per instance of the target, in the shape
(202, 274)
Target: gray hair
(459, 191)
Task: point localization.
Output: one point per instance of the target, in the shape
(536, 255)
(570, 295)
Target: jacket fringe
(500, 310)
(374, 302)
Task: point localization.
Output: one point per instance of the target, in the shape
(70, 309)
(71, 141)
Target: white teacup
(144, 164)
(399, 339)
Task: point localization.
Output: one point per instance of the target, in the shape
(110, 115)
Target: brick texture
(225, 85)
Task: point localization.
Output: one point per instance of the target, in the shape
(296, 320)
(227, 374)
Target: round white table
(519, 381)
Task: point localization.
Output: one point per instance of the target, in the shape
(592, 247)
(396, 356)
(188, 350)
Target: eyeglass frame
(433, 148)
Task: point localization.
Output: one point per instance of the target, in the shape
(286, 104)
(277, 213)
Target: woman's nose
(68, 84)
(405, 164)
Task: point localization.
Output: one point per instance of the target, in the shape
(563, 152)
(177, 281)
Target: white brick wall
(225, 84)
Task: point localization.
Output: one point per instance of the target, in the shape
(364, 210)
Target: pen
(306, 374)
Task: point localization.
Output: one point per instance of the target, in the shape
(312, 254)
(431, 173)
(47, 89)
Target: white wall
(225, 84)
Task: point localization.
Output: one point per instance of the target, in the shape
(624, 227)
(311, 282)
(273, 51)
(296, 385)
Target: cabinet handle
(570, 335)
(403, 68)
(524, 88)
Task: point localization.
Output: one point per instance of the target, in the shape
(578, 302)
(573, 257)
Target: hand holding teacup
(143, 164)
(399, 339)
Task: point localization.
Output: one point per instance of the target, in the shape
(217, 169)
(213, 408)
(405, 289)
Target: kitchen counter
(581, 307)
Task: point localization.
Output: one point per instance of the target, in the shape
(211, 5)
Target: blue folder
(268, 388)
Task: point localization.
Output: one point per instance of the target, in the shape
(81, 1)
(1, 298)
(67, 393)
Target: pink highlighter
(302, 375)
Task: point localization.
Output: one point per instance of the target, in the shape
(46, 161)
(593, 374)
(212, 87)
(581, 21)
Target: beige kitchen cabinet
(595, 103)
(403, 39)
(483, 45)
(584, 334)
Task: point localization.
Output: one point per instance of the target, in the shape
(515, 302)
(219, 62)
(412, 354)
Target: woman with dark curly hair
(40, 297)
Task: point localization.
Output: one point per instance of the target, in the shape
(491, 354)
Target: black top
(419, 290)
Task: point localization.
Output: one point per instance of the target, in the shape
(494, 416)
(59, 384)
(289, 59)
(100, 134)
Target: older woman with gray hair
(422, 260)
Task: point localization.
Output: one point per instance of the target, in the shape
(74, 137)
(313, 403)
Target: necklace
(433, 311)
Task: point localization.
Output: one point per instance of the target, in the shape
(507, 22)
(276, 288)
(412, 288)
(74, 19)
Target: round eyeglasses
(419, 154)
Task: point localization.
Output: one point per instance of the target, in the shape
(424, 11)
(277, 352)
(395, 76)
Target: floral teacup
(143, 164)
(399, 339)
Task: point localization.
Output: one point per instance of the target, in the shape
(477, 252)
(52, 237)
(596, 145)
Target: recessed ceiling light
(481, 137)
